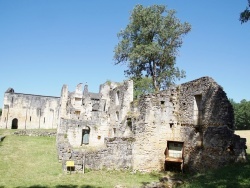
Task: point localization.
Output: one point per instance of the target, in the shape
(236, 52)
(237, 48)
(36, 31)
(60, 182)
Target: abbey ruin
(188, 126)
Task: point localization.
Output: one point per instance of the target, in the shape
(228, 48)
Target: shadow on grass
(58, 186)
(235, 175)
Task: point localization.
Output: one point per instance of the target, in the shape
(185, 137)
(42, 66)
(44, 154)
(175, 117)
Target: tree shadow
(58, 186)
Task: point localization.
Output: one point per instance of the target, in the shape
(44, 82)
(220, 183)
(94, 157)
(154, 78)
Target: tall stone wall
(26, 111)
(215, 108)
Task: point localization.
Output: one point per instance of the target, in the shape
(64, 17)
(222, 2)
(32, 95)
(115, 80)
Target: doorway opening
(14, 124)
(174, 158)
(85, 136)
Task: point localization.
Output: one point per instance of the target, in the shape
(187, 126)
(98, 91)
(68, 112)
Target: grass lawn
(234, 176)
(32, 162)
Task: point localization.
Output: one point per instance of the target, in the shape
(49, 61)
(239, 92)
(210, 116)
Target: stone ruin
(189, 127)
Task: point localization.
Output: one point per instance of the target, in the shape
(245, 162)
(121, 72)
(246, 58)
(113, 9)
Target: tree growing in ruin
(149, 45)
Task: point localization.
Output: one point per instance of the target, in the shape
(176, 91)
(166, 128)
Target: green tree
(142, 86)
(245, 15)
(149, 45)
(241, 114)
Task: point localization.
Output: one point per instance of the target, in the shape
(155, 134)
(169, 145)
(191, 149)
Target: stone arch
(14, 124)
(85, 135)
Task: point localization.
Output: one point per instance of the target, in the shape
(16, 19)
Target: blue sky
(47, 43)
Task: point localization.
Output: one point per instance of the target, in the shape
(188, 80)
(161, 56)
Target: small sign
(70, 163)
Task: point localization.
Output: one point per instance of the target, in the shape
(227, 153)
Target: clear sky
(47, 43)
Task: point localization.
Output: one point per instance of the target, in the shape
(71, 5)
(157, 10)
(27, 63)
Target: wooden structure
(174, 154)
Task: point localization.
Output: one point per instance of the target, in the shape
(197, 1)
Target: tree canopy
(241, 114)
(149, 45)
(245, 15)
(142, 86)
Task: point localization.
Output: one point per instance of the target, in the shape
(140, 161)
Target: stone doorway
(85, 136)
(14, 124)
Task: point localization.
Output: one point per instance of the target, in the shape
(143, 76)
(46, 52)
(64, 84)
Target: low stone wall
(117, 154)
(35, 133)
(67, 153)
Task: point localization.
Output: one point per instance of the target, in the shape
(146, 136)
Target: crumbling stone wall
(216, 110)
(117, 154)
(104, 115)
(171, 116)
(220, 147)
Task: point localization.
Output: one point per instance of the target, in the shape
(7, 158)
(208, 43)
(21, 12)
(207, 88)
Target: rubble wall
(170, 116)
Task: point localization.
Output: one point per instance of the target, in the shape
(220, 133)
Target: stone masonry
(190, 126)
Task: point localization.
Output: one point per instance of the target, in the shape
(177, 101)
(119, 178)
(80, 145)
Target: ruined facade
(189, 126)
(27, 111)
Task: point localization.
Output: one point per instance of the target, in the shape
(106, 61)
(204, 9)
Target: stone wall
(117, 154)
(26, 111)
(35, 133)
(215, 108)
(192, 113)
(220, 147)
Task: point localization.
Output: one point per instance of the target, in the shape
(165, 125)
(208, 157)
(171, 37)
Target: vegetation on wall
(241, 114)
(149, 45)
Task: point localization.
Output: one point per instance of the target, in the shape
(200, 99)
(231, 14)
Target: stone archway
(85, 135)
(14, 124)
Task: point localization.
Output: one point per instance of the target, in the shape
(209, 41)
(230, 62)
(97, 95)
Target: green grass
(235, 175)
(32, 162)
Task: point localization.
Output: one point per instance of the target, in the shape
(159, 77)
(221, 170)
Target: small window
(77, 113)
(44, 120)
(171, 125)
(162, 102)
(30, 118)
(129, 123)
(99, 137)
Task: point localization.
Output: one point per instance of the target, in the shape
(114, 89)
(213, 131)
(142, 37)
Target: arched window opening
(85, 136)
